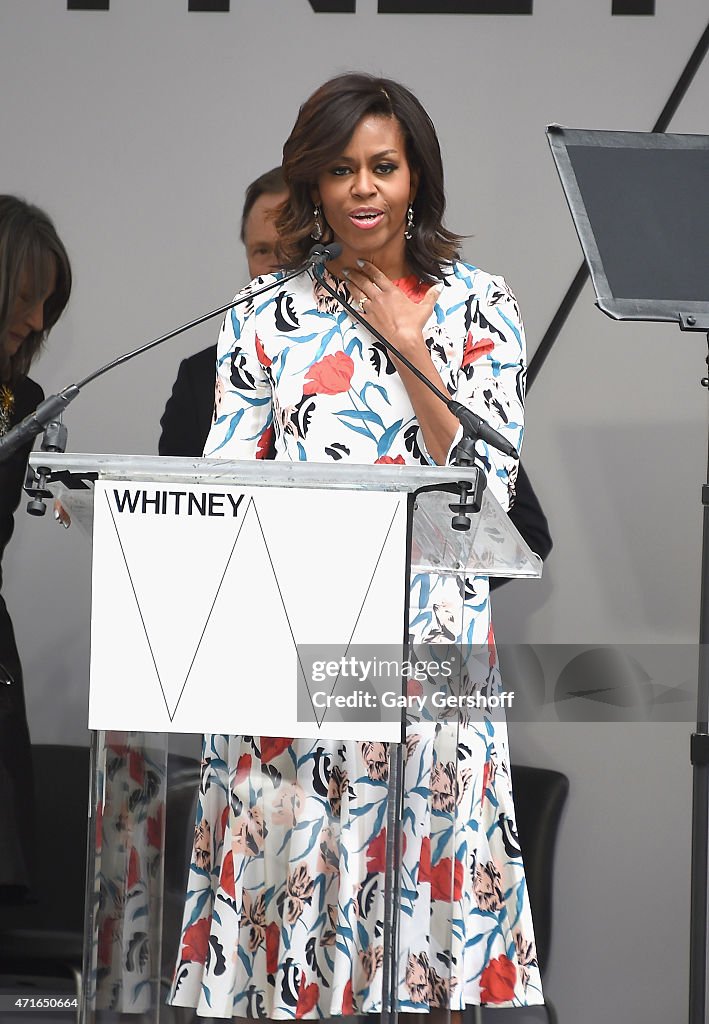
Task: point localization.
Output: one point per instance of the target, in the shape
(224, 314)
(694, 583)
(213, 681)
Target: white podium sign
(202, 592)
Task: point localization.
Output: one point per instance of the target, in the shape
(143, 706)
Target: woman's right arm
(243, 415)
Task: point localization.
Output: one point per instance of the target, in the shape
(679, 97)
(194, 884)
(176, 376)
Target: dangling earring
(316, 233)
(409, 230)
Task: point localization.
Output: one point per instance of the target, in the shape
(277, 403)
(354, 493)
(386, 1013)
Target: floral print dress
(285, 903)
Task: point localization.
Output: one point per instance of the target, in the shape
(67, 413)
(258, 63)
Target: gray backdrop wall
(138, 130)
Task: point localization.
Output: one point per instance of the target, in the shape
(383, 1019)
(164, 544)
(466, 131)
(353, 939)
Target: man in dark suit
(188, 413)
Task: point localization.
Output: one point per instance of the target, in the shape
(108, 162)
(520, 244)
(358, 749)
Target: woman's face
(27, 314)
(365, 193)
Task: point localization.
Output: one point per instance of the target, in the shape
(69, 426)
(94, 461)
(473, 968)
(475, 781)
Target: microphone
(23, 433)
(474, 426)
(481, 428)
(320, 254)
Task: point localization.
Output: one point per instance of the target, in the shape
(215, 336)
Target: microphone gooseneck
(24, 432)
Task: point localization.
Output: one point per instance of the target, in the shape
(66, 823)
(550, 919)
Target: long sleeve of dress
(488, 375)
(243, 400)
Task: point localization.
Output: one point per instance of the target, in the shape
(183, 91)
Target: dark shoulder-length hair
(322, 131)
(30, 249)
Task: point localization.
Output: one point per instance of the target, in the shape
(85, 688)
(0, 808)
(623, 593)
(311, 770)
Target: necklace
(7, 404)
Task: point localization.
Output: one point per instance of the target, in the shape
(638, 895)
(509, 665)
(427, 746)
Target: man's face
(260, 234)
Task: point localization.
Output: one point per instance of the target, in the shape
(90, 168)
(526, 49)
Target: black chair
(44, 939)
(540, 794)
(42, 942)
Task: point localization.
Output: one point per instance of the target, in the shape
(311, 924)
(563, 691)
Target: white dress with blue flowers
(283, 917)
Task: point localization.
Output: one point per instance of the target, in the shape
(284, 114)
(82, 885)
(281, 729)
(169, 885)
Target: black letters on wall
(209, 6)
(428, 6)
(620, 7)
(455, 6)
(633, 7)
(333, 6)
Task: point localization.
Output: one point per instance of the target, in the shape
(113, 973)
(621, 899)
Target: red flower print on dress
(136, 767)
(387, 460)
(489, 773)
(224, 820)
(307, 998)
(155, 829)
(133, 869)
(497, 984)
(425, 860)
(348, 1006)
(475, 350)
(260, 354)
(263, 449)
(273, 942)
(195, 940)
(105, 941)
(444, 877)
(491, 646)
(243, 769)
(331, 376)
(414, 688)
(226, 879)
(272, 746)
(376, 852)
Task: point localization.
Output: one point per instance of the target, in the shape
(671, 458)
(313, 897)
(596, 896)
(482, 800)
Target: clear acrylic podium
(197, 557)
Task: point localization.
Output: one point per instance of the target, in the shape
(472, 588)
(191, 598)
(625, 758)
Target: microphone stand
(47, 416)
(474, 426)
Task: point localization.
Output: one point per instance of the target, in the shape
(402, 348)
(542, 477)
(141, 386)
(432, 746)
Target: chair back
(539, 794)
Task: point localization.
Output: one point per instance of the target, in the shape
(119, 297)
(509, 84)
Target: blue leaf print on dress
(377, 387)
(387, 438)
(361, 414)
(235, 420)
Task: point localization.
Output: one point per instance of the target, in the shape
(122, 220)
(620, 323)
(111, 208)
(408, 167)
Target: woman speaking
(286, 889)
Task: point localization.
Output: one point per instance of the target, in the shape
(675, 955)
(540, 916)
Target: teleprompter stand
(638, 201)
